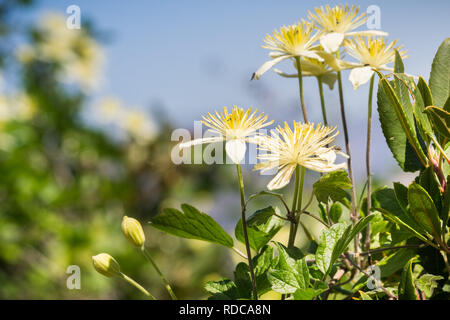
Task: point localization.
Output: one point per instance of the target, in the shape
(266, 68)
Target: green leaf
(423, 210)
(398, 63)
(290, 273)
(385, 201)
(191, 224)
(262, 226)
(406, 288)
(440, 119)
(422, 99)
(332, 186)
(335, 212)
(364, 296)
(349, 234)
(440, 74)
(262, 262)
(334, 242)
(430, 182)
(401, 194)
(427, 283)
(425, 92)
(328, 239)
(243, 281)
(389, 265)
(309, 293)
(396, 118)
(224, 289)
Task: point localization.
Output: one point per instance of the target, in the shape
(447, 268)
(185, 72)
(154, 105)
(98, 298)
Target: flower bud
(106, 265)
(133, 231)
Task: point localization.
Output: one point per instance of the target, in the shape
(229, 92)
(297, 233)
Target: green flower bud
(133, 231)
(106, 265)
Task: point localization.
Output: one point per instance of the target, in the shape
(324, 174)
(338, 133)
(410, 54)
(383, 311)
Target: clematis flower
(235, 128)
(296, 40)
(372, 53)
(337, 23)
(313, 68)
(303, 146)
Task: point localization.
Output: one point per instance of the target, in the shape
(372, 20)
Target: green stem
(137, 285)
(294, 207)
(300, 87)
(369, 177)
(146, 253)
(354, 213)
(298, 206)
(322, 101)
(244, 227)
(325, 122)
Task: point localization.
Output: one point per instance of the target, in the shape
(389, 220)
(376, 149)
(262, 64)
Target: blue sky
(191, 57)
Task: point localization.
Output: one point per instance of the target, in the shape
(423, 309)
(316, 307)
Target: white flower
(236, 128)
(303, 146)
(372, 54)
(337, 23)
(292, 41)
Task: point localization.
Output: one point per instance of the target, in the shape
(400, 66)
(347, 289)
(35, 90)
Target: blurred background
(86, 117)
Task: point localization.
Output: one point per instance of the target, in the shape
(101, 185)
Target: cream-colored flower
(313, 68)
(372, 53)
(337, 23)
(236, 128)
(303, 146)
(296, 40)
(79, 56)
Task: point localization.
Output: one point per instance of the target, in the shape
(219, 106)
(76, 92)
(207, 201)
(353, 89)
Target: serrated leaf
(290, 274)
(222, 289)
(332, 186)
(191, 224)
(440, 119)
(396, 118)
(427, 283)
(406, 288)
(440, 74)
(328, 239)
(423, 210)
(262, 262)
(262, 226)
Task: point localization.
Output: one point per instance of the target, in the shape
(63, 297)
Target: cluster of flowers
(314, 47)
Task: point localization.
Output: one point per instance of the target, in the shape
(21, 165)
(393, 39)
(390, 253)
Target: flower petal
(200, 141)
(236, 150)
(282, 178)
(359, 76)
(331, 41)
(329, 79)
(267, 65)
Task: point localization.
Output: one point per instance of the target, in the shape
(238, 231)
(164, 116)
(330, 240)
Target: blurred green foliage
(65, 185)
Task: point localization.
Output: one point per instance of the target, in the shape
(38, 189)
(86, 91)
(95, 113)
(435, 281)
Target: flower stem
(146, 253)
(354, 214)
(369, 177)
(300, 87)
(298, 205)
(322, 101)
(294, 207)
(137, 285)
(244, 227)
